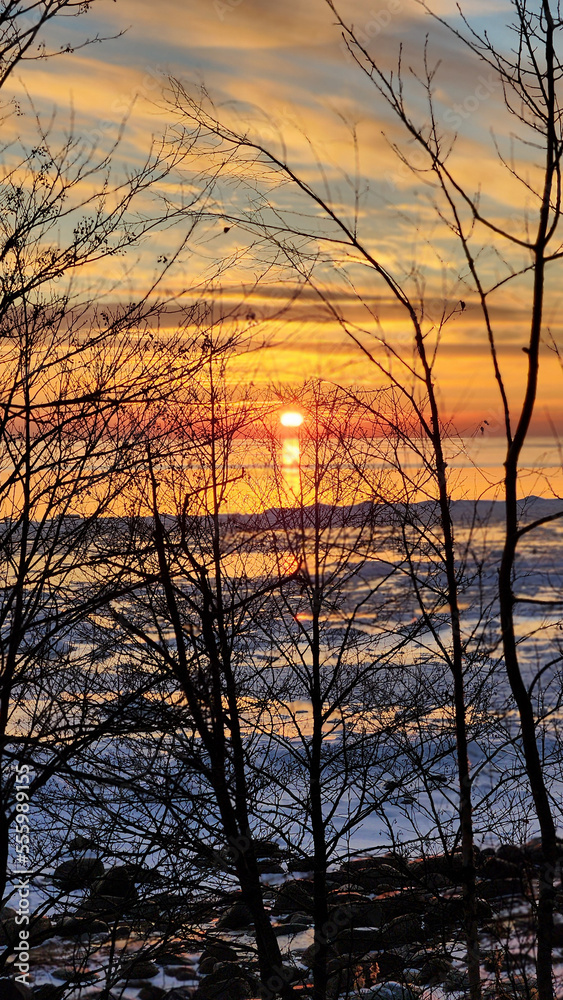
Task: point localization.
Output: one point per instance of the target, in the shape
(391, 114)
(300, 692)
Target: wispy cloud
(283, 72)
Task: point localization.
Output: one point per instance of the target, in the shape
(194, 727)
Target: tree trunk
(532, 756)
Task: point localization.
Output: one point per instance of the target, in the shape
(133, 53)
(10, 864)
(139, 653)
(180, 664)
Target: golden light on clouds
(284, 77)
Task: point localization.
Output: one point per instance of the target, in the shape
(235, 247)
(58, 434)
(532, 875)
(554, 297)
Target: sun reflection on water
(290, 466)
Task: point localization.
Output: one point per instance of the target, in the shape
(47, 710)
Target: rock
(268, 849)
(358, 940)
(498, 868)
(118, 882)
(151, 992)
(70, 927)
(79, 873)
(533, 849)
(519, 987)
(173, 970)
(81, 843)
(406, 901)
(339, 897)
(389, 877)
(9, 930)
(379, 874)
(457, 979)
(147, 876)
(166, 900)
(149, 909)
(364, 915)
(390, 991)
(344, 976)
(72, 977)
(299, 918)
(48, 991)
(294, 895)
(300, 863)
(390, 860)
(370, 881)
(436, 864)
(237, 918)
(219, 951)
(268, 866)
(445, 912)
(433, 968)
(290, 927)
(10, 990)
(184, 974)
(510, 852)
(110, 907)
(93, 995)
(228, 982)
(39, 930)
(359, 864)
(139, 970)
(173, 963)
(383, 877)
(437, 880)
(307, 957)
(339, 883)
(500, 887)
(206, 964)
(291, 974)
(391, 964)
(221, 991)
(384, 964)
(405, 929)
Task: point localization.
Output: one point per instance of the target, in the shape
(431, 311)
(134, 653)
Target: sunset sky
(282, 69)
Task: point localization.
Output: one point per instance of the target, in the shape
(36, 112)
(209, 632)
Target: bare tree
(193, 616)
(321, 657)
(251, 617)
(23, 28)
(80, 382)
(530, 81)
(426, 411)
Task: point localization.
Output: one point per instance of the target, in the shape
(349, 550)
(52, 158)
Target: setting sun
(291, 419)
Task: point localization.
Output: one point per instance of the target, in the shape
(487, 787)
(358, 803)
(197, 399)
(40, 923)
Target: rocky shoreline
(394, 932)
